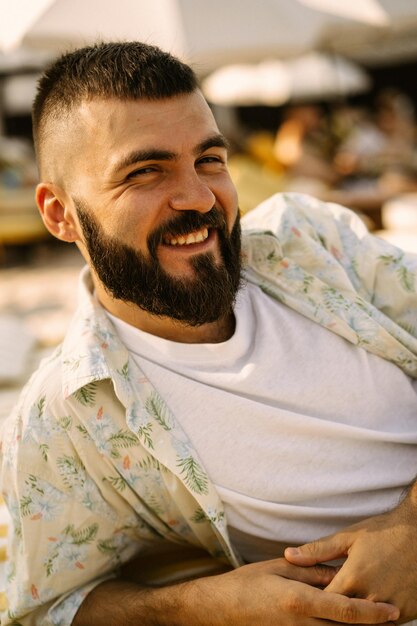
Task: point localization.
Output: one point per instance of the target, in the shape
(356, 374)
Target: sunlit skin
(136, 164)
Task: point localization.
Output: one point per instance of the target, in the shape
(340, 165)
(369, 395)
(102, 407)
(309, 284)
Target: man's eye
(141, 172)
(211, 159)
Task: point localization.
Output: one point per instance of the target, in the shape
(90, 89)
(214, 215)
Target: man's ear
(55, 212)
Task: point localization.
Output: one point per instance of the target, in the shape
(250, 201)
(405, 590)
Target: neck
(167, 327)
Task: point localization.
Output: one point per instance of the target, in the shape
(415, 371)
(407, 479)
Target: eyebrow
(153, 154)
(215, 141)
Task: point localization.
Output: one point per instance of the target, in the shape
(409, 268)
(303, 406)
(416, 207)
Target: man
(194, 402)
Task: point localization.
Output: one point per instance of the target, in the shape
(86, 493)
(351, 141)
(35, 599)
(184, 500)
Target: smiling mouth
(197, 236)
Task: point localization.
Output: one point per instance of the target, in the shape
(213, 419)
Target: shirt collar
(260, 247)
(91, 350)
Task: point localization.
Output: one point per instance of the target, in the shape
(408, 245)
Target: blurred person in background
(379, 142)
(302, 144)
(375, 156)
(238, 394)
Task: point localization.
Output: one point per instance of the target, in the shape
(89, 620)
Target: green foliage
(193, 474)
(124, 372)
(273, 292)
(44, 448)
(154, 504)
(87, 394)
(158, 409)
(32, 481)
(149, 463)
(199, 516)
(49, 565)
(145, 432)
(272, 256)
(407, 279)
(354, 267)
(70, 464)
(219, 517)
(25, 504)
(83, 431)
(65, 422)
(307, 282)
(11, 576)
(81, 537)
(323, 241)
(335, 301)
(41, 405)
(107, 546)
(18, 530)
(389, 259)
(70, 468)
(118, 482)
(123, 439)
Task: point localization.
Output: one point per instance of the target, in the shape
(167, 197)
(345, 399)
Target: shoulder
(46, 380)
(284, 211)
(42, 388)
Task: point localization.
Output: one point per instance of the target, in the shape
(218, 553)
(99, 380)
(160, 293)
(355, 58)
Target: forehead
(100, 132)
(112, 127)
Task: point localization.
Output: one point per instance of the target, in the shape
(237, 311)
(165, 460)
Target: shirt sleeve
(60, 612)
(382, 274)
(333, 242)
(64, 537)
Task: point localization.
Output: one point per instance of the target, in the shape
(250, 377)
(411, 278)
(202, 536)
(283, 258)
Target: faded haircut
(127, 71)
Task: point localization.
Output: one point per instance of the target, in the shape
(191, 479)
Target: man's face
(156, 206)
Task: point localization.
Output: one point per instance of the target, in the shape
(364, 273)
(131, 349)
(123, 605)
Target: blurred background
(316, 96)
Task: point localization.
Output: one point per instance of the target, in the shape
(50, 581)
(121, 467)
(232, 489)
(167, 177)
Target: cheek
(129, 224)
(132, 233)
(229, 201)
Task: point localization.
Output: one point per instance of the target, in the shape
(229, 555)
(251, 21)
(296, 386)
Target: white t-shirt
(302, 432)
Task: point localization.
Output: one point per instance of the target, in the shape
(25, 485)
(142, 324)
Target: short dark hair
(124, 70)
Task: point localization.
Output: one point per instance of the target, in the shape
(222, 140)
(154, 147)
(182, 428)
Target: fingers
(316, 576)
(384, 624)
(349, 584)
(293, 593)
(338, 608)
(303, 599)
(322, 550)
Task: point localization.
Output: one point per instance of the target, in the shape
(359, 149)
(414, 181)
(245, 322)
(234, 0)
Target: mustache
(185, 223)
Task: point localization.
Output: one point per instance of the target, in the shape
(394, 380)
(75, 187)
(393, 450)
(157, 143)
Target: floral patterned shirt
(95, 467)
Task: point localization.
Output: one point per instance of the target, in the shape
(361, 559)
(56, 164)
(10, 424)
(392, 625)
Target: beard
(134, 277)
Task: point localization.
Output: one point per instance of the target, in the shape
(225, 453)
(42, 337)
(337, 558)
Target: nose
(191, 193)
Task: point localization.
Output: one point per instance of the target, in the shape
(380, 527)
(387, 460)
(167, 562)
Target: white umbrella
(208, 34)
(365, 11)
(315, 76)
(310, 77)
(244, 85)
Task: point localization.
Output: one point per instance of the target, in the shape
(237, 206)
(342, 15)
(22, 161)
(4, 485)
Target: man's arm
(381, 557)
(271, 593)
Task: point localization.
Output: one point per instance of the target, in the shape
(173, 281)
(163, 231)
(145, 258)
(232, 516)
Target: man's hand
(381, 558)
(271, 593)
(275, 593)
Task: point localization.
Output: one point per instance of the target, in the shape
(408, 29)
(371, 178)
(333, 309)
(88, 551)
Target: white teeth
(195, 237)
